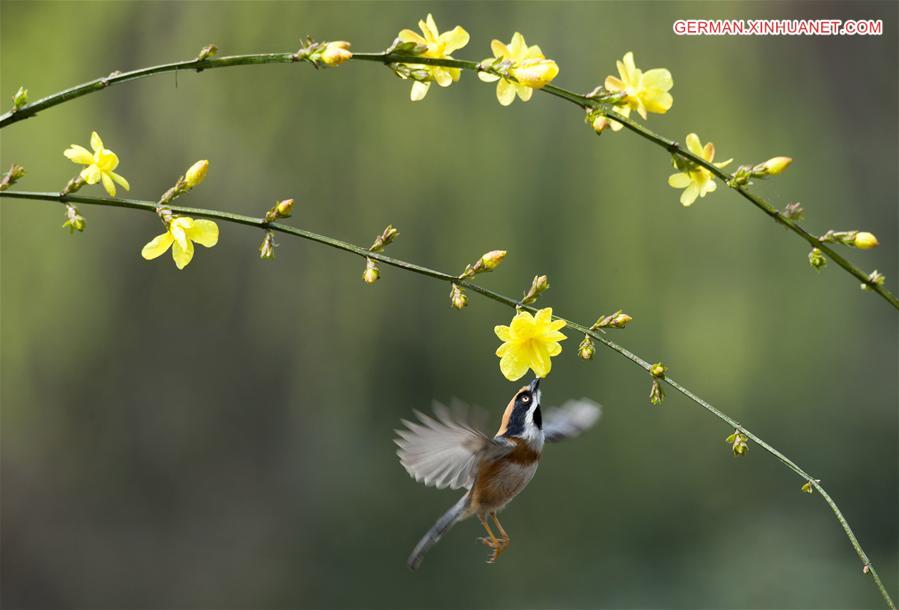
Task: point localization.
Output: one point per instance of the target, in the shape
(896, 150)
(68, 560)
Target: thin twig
(150, 206)
(583, 101)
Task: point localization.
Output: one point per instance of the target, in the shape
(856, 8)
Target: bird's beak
(534, 384)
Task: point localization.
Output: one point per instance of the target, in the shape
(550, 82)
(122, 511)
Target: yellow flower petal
(419, 90)
(157, 246)
(204, 232)
(79, 154)
(500, 49)
(544, 316)
(410, 36)
(91, 174)
(694, 145)
(689, 195)
(106, 160)
(121, 180)
(660, 104)
(443, 77)
(455, 39)
(503, 332)
(679, 181)
(108, 184)
(658, 78)
(615, 84)
(505, 92)
(524, 93)
(522, 323)
(540, 360)
(512, 367)
(487, 77)
(178, 229)
(555, 349)
(96, 142)
(182, 253)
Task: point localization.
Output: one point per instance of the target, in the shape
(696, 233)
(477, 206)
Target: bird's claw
(497, 547)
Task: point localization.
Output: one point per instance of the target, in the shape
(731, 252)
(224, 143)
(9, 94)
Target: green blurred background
(221, 437)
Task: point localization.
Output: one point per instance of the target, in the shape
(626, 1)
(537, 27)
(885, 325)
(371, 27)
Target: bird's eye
(525, 398)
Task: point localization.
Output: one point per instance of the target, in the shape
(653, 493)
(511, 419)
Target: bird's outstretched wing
(443, 451)
(569, 420)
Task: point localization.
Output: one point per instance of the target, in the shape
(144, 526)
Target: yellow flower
(529, 342)
(696, 181)
(181, 235)
(99, 164)
(527, 65)
(644, 91)
(439, 46)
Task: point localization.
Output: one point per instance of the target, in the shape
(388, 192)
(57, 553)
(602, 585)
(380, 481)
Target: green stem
(150, 206)
(674, 148)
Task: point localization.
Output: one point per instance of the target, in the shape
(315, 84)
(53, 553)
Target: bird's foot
(497, 547)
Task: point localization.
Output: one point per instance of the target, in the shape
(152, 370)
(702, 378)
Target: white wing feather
(570, 420)
(442, 452)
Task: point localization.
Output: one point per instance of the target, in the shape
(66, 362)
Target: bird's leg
(492, 542)
(503, 541)
(504, 537)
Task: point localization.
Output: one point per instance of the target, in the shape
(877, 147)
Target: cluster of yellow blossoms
(519, 68)
(530, 341)
(181, 232)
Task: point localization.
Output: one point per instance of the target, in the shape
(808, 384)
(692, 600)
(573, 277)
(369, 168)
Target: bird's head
(522, 418)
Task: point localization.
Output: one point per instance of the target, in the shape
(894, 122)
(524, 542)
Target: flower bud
(816, 259)
(372, 272)
(620, 320)
(658, 370)
(535, 73)
(793, 211)
(586, 349)
(809, 487)
(20, 98)
(206, 52)
(458, 298)
(774, 166)
(600, 123)
(738, 443)
(74, 220)
(336, 53)
(487, 262)
(539, 285)
(865, 241)
(12, 176)
(196, 174)
(492, 259)
(284, 208)
(267, 248)
(384, 239)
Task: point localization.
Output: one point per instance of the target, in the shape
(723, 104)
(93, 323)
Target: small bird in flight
(445, 452)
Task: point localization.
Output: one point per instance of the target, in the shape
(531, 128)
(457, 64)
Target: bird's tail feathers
(444, 523)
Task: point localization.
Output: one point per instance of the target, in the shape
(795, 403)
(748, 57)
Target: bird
(448, 451)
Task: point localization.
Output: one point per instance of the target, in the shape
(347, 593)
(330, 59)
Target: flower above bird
(529, 342)
(100, 164)
(527, 66)
(642, 91)
(181, 234)
(694, 179)
(437, 46)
